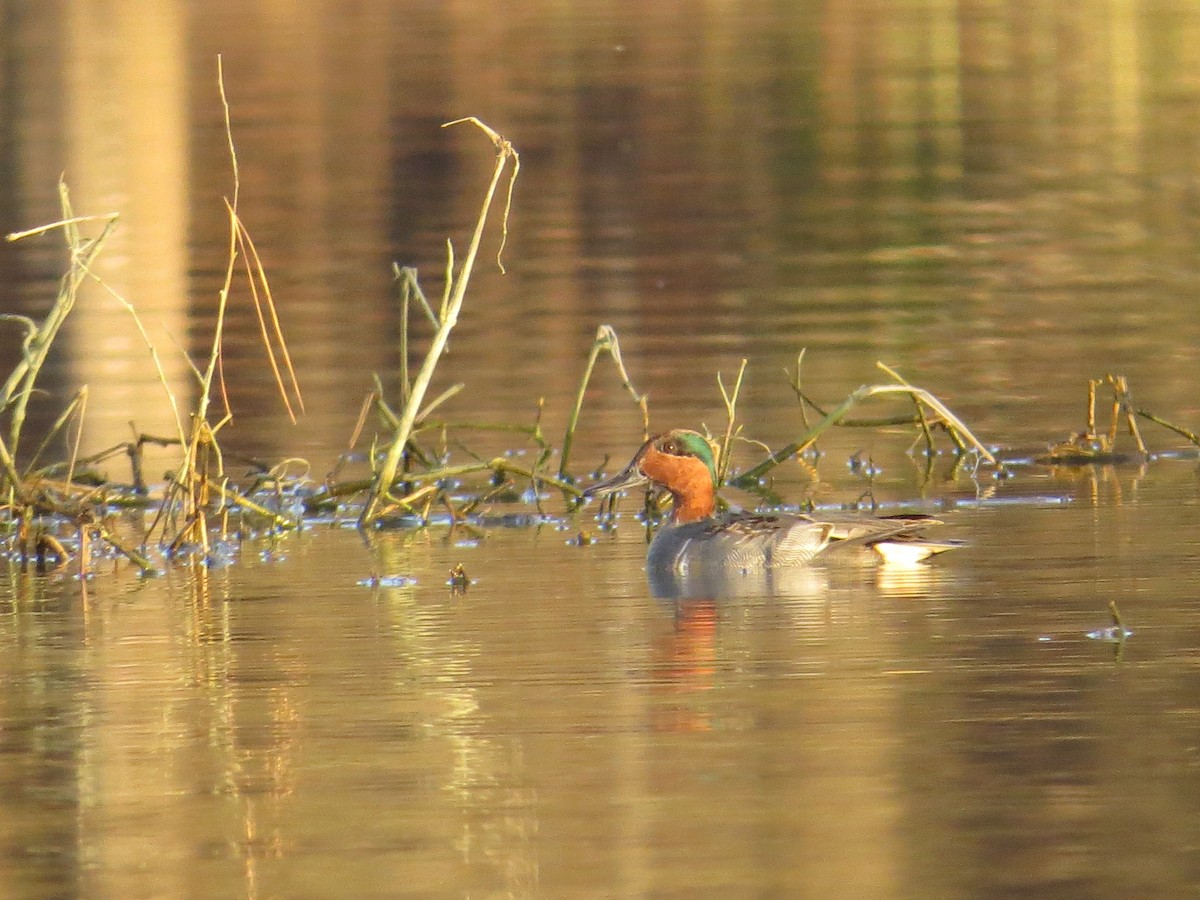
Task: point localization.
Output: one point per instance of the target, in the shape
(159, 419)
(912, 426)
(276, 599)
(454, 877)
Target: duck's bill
(629, 477)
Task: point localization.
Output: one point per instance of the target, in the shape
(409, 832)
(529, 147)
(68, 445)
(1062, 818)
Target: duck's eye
(671, 447)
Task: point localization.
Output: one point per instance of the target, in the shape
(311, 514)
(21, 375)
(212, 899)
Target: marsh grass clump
(1090, 447)
(930, 413)
(44, 502)
(68, 496)
(200, 485)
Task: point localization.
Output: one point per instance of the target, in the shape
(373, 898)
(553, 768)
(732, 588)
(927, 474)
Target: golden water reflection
(282, 726)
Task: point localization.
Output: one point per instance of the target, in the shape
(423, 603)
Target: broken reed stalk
(452, 304)
(807, 403)
(922, 421)
(76, 404)
(605, 342)
(1123, 404)
(1090, 447)
(794, 381)
(857, 396)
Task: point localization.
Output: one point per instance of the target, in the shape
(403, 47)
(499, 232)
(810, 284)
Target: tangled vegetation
(51, 506)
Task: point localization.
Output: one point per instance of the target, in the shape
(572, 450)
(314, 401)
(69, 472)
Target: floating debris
(1115, 633)
(1111, 635)
(458, 581)
(388, 581)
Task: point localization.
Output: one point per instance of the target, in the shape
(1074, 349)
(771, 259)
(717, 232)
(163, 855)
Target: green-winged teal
(697, 538)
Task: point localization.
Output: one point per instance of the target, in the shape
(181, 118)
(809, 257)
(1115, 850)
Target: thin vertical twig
(731, 399)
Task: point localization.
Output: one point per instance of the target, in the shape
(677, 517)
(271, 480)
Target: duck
(697, 538)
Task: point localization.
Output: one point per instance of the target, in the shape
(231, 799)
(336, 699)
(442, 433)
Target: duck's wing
(865, 529)
(752, 541)
(896, 538)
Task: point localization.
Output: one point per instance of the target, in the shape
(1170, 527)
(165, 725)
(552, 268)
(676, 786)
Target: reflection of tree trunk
(126, 130)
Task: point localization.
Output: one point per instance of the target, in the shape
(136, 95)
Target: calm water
(1001, 203)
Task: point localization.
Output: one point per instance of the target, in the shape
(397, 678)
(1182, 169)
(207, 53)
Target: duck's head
(681, 462)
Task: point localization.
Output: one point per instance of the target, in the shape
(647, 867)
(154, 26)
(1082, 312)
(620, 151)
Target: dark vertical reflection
(984, 39)
(861, 178)
(31, 152)
(9, 211)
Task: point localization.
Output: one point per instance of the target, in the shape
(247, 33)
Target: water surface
(279, 727)
(998, 202)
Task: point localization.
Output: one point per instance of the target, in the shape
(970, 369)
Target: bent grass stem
(857, 396)
(391, 465)
(605, 342)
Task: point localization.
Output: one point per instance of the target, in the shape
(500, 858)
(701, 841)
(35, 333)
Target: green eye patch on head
(690, 443)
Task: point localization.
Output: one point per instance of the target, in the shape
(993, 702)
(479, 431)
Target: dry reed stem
(453, 305)
(410, 287)
(153, 350)
(921, 420)
(202, 460)
(136, 557)
(59, 424)
(794, 381)
(256, 277)
(61, 223)
(18, 388)
(35, 346)
(237, 499)
(1184, 433)
(189, 481)
(1124, 402)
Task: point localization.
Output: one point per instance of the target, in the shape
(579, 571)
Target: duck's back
(737, 542)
